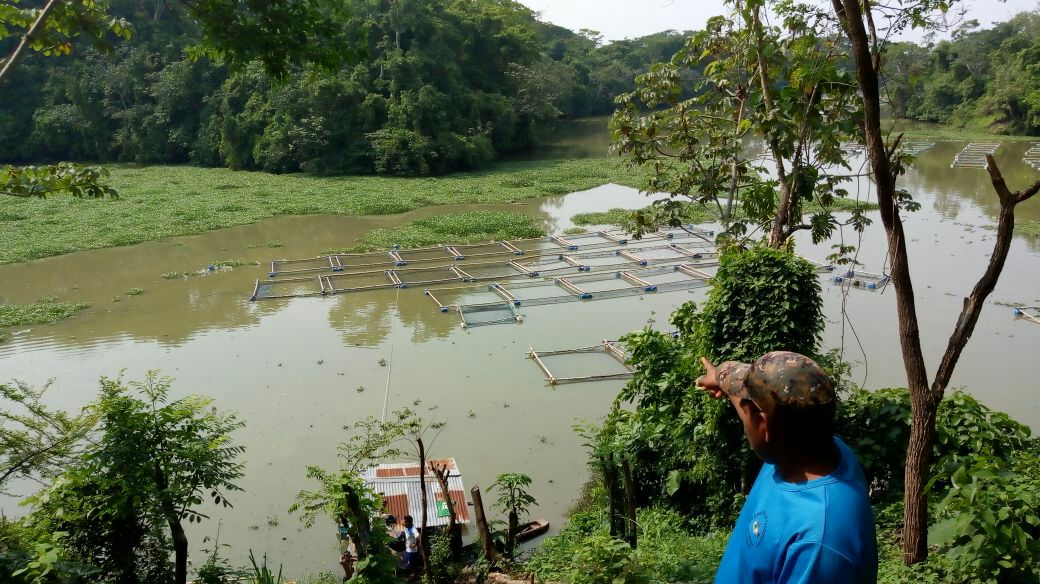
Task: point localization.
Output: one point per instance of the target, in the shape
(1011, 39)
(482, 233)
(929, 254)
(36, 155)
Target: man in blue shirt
(807, 518)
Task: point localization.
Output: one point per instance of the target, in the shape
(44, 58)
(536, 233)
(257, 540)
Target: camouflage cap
(779, 378)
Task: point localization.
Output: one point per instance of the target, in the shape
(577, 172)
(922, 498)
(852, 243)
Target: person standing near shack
(411, 546)
(807, 518)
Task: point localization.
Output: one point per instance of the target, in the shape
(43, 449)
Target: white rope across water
(390, 365)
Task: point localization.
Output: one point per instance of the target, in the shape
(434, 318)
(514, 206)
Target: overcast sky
(619, 19)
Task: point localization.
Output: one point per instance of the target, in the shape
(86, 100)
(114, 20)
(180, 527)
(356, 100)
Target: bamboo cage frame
(861, 279)
(1030, 313)
(608, 347)
(458, 252)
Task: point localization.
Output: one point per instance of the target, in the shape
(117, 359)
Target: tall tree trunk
(514, 526)
(924, 397)
(423, 534)
(173, 519)
(630, 499)
(454, 535)
(482, 525)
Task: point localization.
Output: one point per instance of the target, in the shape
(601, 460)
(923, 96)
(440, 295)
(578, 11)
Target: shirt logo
(756, 530)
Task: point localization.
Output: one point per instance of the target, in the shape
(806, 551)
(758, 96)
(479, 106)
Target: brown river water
(292, 369)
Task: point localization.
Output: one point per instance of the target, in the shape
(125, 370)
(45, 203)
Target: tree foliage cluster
(981, 77)
(120, 482)
(425, 87)
(687, 451)
(691, 462)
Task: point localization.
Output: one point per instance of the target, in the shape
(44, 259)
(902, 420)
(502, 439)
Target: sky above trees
(619, 19)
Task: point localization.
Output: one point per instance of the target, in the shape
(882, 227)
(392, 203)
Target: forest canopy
(428, 87)
(433, 87)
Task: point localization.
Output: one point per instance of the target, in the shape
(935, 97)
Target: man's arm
(814, 563)
(710, 382)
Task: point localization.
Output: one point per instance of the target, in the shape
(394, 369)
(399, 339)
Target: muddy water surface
(296, 371)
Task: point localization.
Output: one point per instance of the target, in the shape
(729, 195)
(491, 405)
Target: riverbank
(163, 201)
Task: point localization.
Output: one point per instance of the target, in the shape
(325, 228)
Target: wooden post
(454, 534)
(630, 496)
(482, 525)
(424, 550)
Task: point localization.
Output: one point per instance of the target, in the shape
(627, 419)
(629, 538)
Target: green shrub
(876, 425)
(989, 520)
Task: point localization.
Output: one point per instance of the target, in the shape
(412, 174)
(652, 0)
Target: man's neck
(799, 467)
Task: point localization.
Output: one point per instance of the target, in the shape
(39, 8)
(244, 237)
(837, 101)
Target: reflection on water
(298, 370)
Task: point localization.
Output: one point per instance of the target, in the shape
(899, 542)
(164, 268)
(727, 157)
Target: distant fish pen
(497, 302)
(610, 348)
(486, 283)
(1030, 313)
(397, 257)
(1032, 156)
(399, 268)
(915, 148)
(974, 155)
(860, 279)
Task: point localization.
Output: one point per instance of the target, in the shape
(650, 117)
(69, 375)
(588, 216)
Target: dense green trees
(425, 88)
(986, 78)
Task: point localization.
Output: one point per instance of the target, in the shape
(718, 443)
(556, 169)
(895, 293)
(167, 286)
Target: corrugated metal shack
(398, 484)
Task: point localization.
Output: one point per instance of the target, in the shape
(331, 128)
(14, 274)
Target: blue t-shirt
(819, 531)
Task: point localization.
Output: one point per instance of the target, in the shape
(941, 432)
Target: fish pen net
(1030, 313)
(603, 362)
(487, 314)
(295, 288)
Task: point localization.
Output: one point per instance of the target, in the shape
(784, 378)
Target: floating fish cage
(609, 348)
(488, 314)
(915, 148)
(1032, 156)
(397, 257)
(974, 155)
(361, 278)
(860, 279)
(1030, 313)
(851, 148)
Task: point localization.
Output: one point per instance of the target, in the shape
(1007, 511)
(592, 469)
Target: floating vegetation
(692, 213)
(230, 264)
(272, 243)
(575, 231)
(134, 291)
(1028, 228)
(456, 228)
(164, 201)
(176, 275)
(43, 311)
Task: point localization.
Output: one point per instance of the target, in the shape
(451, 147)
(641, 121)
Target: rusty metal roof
(398, 484)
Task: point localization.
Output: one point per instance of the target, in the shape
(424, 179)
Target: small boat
(531, 530)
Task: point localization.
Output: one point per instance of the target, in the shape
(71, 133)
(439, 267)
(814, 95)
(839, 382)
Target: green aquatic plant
(135, 291)
(43, 311)
(177, 275)
(164, 201)
(458, 228)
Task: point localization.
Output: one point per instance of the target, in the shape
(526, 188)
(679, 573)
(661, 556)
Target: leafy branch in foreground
(63, 177)
(35, 440)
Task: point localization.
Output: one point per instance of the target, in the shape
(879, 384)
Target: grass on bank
(461, 228)
(163, 201)
(43, 311)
